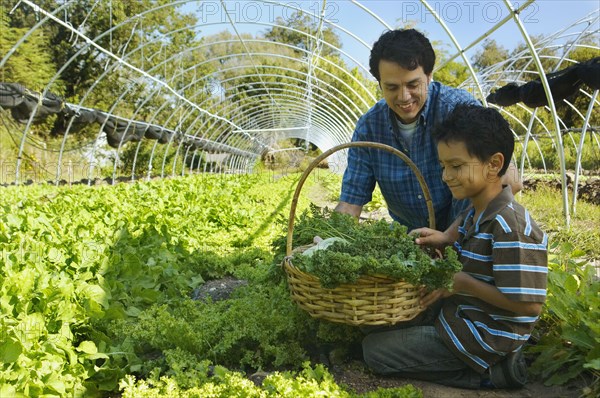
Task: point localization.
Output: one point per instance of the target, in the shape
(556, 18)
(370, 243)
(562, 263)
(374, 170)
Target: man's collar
(426, 106)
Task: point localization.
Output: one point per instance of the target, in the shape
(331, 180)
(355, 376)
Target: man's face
(405, 91)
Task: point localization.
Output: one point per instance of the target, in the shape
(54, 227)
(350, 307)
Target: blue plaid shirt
(397, 182)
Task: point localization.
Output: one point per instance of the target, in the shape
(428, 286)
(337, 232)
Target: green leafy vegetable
(371, 247)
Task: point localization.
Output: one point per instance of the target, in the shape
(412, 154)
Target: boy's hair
(483, 131)
(408, 48)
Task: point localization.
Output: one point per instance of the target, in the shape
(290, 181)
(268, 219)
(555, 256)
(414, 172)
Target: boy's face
(465, 174)
(405, 91)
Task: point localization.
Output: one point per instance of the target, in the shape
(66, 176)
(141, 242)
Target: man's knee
(374, 354)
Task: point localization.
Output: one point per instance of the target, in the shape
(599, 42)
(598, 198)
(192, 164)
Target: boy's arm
(465, 283)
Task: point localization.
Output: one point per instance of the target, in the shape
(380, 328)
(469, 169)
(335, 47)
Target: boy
(476, 339)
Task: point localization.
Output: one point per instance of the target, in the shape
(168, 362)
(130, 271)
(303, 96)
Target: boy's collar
(497, 204)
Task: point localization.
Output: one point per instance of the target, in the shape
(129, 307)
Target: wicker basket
(371, 300)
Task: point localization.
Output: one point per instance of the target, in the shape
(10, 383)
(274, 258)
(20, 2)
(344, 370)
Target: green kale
(370, 247)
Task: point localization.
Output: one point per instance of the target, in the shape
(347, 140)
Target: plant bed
(98, 282)
(588, 188)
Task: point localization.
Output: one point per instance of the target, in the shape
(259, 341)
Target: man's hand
(347, 208)
(511, 177)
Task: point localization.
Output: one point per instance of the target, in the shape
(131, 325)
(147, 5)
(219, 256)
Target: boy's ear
(496, 162)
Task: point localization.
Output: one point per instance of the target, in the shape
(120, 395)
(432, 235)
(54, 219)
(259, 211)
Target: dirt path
(354, 376)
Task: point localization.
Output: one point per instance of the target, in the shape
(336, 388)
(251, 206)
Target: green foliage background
(95, 284)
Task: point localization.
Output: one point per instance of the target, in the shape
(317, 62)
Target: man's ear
(495, 164)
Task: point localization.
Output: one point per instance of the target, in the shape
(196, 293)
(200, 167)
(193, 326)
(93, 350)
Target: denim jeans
(415, 350)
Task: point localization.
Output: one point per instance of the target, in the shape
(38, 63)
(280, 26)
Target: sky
(466, 19)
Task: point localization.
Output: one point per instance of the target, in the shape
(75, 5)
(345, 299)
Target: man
(413, 104)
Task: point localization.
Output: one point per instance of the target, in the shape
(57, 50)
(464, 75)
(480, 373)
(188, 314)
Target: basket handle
(368, 144)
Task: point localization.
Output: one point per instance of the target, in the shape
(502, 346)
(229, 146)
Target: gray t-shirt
(407, 131)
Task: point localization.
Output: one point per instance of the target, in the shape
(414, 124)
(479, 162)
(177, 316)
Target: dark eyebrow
(455, 159)
(413, 81)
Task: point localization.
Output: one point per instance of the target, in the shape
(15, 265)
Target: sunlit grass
(546, 206)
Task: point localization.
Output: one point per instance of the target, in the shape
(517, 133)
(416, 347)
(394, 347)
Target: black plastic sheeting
(23, 103)
(563, 84)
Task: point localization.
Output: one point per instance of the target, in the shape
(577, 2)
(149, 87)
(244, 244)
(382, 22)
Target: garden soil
(354, 376)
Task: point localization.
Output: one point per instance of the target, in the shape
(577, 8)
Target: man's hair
(483, 131)
(408, 48)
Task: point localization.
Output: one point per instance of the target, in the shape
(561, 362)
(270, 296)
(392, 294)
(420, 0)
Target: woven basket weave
(371, 300)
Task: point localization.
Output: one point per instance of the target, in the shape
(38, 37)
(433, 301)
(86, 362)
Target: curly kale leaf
(441, 272)
(374, 248)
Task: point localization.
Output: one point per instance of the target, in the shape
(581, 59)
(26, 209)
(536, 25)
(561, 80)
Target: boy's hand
(430, 297)
(430, 238)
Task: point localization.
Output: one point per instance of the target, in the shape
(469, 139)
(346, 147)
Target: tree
(117, 26)
(289, 31)
(490, 54)
(452, 74)
(30, 64)
(524, 63)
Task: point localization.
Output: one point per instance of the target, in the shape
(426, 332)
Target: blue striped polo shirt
(505, 248)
